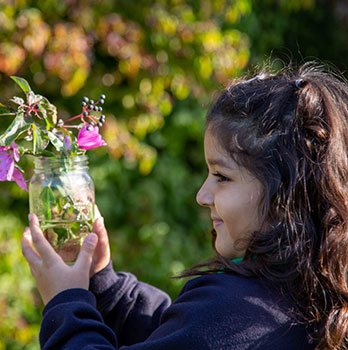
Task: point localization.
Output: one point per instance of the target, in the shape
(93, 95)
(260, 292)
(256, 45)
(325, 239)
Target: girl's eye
(221, 178)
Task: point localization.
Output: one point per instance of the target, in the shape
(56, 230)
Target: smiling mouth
(217, 223)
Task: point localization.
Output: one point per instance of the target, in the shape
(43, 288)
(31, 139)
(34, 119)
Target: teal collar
(237, 260)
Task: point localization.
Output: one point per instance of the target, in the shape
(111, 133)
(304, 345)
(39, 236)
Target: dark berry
(83, 104)
(100, 124)
(91, 123)
(102, 117)
(85, 114)
(100, 109)
(91, 102)
(96, 108)
(101, 101)
(102, 97)
(89, 128)
(85, 99)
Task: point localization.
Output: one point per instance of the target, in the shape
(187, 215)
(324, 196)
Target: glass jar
(61, 194)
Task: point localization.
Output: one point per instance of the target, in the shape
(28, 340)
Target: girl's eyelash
(221, 178)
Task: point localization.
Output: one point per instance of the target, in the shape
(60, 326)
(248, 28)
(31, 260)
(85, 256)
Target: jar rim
(67, 163)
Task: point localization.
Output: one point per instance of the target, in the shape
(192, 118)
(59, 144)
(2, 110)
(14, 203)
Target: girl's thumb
(98, 226)
(86, 254)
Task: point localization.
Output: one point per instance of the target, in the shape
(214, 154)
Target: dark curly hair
(290, 129)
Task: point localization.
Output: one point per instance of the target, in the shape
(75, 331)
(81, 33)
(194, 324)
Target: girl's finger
(103, 247)
(84, 260)
(41, 244)
(100, 230)
(28, 251)
(96, 212)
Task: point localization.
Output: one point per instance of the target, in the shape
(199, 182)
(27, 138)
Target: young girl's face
(233, 196)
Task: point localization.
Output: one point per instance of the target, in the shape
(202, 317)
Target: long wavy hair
(290, 130)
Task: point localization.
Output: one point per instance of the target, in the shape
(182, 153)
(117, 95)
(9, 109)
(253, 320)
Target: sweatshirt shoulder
(245, 295)
(231, 284)
(244, 312)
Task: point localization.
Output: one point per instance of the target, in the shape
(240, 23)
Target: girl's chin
(225, 249)
(221, 249)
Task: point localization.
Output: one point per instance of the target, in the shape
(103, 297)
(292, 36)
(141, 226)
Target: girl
(276, 150)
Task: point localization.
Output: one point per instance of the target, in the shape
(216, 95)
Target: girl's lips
(217, 223)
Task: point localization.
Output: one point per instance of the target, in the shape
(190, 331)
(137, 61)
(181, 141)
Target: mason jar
(61, 194)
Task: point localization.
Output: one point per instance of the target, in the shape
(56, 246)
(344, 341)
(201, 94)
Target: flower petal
(6, 167)
(67, 142)
(15, 151)
(88, 139)
(18, 177)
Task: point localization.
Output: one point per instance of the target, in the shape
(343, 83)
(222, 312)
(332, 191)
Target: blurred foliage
(159, 63)
(298, 31)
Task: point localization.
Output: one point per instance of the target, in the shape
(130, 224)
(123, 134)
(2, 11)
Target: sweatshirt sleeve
(132, 309)
(206, 316)
(70, 319)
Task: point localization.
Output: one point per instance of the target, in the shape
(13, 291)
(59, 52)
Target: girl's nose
(204, 196)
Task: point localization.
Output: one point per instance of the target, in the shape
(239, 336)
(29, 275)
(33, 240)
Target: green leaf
(56, 142)
(40, 140)
(46, 153)
(6, 111)
(23, 84)
(47, 111)
(60, 204)
(19, 168)
(65, 165)
(16, 128)
(51, 112)
(48, 201)
(61, 190)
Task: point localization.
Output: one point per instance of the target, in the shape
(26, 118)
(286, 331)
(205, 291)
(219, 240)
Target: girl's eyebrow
(220, 162)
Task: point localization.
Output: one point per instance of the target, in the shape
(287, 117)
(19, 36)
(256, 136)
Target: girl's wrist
(102, 279)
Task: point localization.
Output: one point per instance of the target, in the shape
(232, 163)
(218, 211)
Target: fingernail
(30, 217)
(92, 238)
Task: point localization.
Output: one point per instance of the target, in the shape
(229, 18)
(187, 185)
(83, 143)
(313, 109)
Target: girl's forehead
(212, 144)
(215, 154)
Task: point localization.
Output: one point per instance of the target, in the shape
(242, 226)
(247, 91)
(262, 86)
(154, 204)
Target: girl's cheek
(222, 206)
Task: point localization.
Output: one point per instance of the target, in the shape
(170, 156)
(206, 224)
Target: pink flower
(6, 164)
(18, 177)
(8, 172)
(88, 139)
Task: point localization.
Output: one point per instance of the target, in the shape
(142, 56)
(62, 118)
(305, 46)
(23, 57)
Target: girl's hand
(52, 275)
(101, 255)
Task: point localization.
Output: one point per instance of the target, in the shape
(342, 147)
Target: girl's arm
(132, 309)
(129, 307)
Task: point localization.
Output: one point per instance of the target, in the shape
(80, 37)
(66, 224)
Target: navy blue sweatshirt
(212, 312)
